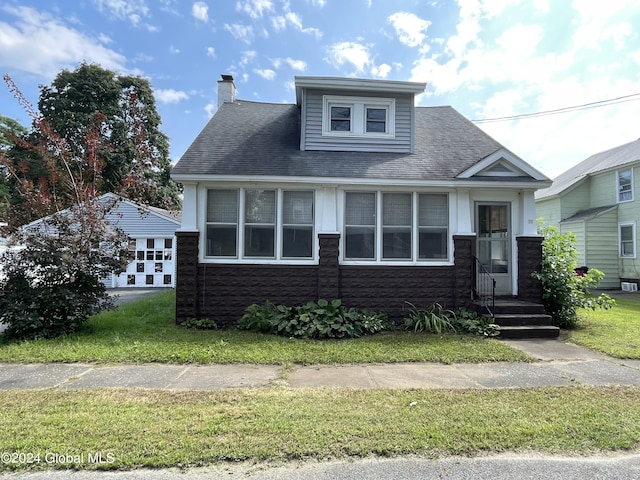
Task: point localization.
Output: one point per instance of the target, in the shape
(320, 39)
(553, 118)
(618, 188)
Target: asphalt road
(502, 467)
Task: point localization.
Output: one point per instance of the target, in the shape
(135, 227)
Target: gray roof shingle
(612, 158)
(263, 139)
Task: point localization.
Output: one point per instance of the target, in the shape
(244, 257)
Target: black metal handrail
(484, 286)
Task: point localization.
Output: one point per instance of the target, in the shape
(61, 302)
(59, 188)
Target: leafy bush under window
(313, 320)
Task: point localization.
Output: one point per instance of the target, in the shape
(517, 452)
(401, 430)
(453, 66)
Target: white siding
(312, 128)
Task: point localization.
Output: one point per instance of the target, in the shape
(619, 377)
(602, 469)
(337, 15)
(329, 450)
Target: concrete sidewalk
(557, 364)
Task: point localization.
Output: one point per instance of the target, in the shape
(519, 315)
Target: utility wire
(584, 106)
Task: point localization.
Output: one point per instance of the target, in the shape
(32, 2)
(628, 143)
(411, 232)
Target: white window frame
(632, 225)
(618, 192)
(240, 256)
(358, 106)
(378, 231)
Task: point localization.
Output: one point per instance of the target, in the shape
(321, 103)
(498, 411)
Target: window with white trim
(411, 226)
(433, 226)
(625, 185)
(627, 235)
(249, 223)
(222, 223)
(358, 116)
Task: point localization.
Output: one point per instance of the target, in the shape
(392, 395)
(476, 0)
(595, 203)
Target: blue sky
(486, 58)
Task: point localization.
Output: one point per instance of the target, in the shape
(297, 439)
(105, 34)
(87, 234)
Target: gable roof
(613, 158)
(172, 217)
(263, 139)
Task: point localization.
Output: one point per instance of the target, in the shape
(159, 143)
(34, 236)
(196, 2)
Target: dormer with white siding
(356, 115)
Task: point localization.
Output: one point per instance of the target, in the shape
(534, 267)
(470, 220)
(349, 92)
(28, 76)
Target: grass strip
(148, 428)
(615, 332)
(144, 331)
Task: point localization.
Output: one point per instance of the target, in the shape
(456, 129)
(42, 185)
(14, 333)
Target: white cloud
(409, 27)
(132, 10)
(174, 50)
(247, 57)
(280, 22)
(299, 65)
(170, 95)
(211, 52)
(381, 71)
(210, 109)
(36, 42)
(352, 53)
(240, 32)
(254, 8)
(200, 11)
(266, 73)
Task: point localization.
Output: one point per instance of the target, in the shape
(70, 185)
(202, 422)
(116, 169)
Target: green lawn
(615, 332)
(145, 428)
(145, 331)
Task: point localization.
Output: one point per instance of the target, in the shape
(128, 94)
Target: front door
(494, 242)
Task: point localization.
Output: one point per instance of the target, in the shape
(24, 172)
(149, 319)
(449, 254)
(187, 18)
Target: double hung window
(259, 223)
(358, 116)
(625, 185)
(396, 226)
(627, 235)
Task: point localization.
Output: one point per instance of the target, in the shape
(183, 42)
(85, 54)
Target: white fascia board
(511, 158)
(356, 84)
(341, 181)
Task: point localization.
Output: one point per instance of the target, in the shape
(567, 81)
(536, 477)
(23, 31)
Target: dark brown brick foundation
(223, 291)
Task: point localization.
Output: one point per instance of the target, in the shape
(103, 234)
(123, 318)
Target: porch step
(519, 319)
(523, 319)
(529, 331)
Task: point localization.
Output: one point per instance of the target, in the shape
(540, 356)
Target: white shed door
(153, 263)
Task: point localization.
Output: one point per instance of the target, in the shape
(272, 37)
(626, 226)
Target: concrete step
(517, 306)
(536, 331)
(523, 319)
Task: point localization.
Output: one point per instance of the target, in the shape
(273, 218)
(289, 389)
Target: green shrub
(432, 319)
(200, 324)
(48, 309)
(313, 320)
(260, 318)
(468, 321)
(564, 291)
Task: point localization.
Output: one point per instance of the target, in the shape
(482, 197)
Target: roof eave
(356, 84)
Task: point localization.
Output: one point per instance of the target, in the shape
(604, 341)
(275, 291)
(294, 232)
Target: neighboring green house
(597, 201)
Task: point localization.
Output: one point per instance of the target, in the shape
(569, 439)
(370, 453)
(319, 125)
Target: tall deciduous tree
(126, 106)
(11, 131)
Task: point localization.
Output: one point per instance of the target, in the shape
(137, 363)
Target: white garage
(152, 244)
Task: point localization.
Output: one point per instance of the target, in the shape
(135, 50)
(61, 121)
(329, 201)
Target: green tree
(564, 292)
(126, 107)
(11, 132)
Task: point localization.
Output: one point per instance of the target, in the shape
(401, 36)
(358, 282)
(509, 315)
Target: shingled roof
(612, 158)
(263, 139)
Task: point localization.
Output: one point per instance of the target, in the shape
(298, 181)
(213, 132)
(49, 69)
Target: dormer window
(340, 118)
(358, 116)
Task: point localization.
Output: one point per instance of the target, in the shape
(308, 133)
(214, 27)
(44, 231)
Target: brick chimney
(226, 90)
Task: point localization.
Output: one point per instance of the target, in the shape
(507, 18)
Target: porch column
(464, 249)
(186, 275)
(529, 261)
(328, 266)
